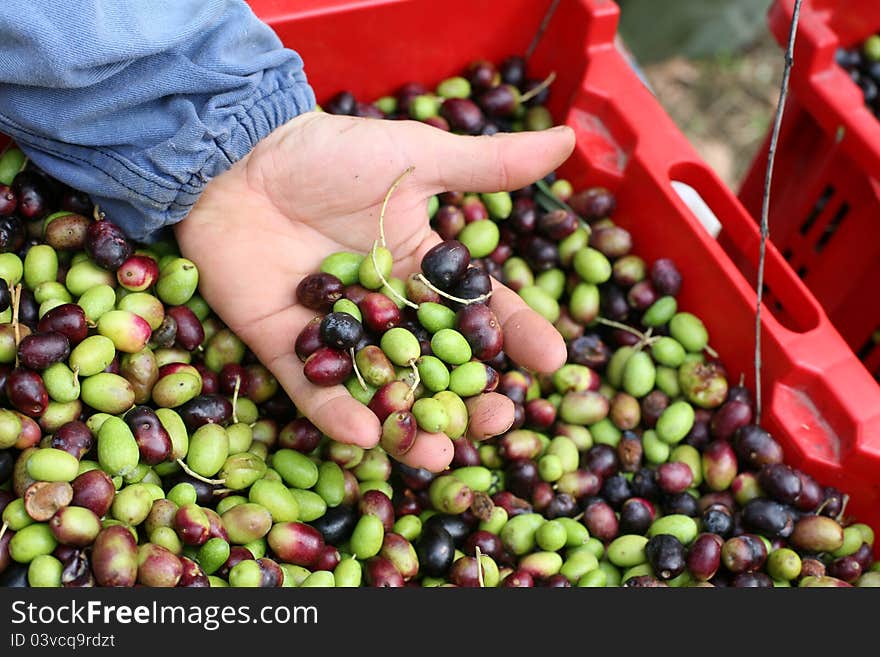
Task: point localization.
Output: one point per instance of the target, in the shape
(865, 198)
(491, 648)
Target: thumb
(504, 161)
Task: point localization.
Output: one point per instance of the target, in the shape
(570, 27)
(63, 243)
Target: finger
(432, 451)
(529, 339)
(491, 414)
(332, 409)
(488, 163)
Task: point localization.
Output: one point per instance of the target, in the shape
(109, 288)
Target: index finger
(529, 339)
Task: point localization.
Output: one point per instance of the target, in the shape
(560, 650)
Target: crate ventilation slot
(832, 227)
(870, 350)
(817, 210)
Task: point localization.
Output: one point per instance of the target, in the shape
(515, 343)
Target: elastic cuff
(146, 196)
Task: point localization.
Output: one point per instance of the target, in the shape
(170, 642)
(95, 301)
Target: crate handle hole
(691, 197)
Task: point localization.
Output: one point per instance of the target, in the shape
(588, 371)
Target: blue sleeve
(139, 104)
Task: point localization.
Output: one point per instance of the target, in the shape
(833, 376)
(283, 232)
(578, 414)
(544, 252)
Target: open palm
(315, 186)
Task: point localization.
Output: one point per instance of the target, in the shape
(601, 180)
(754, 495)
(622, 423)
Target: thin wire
(765, 205)
(542, 28)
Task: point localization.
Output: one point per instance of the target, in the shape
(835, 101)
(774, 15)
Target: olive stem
(385, 282)
(222, 491)
(818, 511)
(479, 566)
(235, 399)
(196, 475)
(843, 504)
(480, 299)
(3, 529)
(417, 379)
(97, 214)
(526, 97)
(709, 350)
(388, 194)
(357, 372)
(644, 337)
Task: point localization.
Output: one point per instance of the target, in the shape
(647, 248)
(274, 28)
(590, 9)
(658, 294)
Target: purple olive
(811, 495)
(589, 350)
(602, 460)
(557, 224)
(636, 516)
(205, 409)
(8, 200)
(730, 416)
(780, 482)
(513, 70)
(463, 115)
(755, 447)
(704, 556)
(76, 570)
(68, 319)
(94, 490)
(719, 465)
(752, 580)
(666, 277)
(192, 575)
(666, 555)
(601, 521)
(674, 477)
(476, 283)
(743, 553)
(114, 557)
(295, 542)
(107, 244)
(12, 234)
(446, 263)
(73, 437)
(319, 291)
(26, 392)
(593, 204)
(718, 519)
(328, 367)
(767, 517)
(376, 503)
(342, 103)
(153, 441)
(512, 504)
(381, 572)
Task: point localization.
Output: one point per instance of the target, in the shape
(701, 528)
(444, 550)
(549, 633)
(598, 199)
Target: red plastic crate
(819, 401)
(825, 201)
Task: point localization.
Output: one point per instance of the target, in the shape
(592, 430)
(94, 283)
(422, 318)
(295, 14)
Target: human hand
(315, 186)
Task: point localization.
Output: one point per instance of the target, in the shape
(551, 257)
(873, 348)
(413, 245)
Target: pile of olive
(142, 443)
(863, 65)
